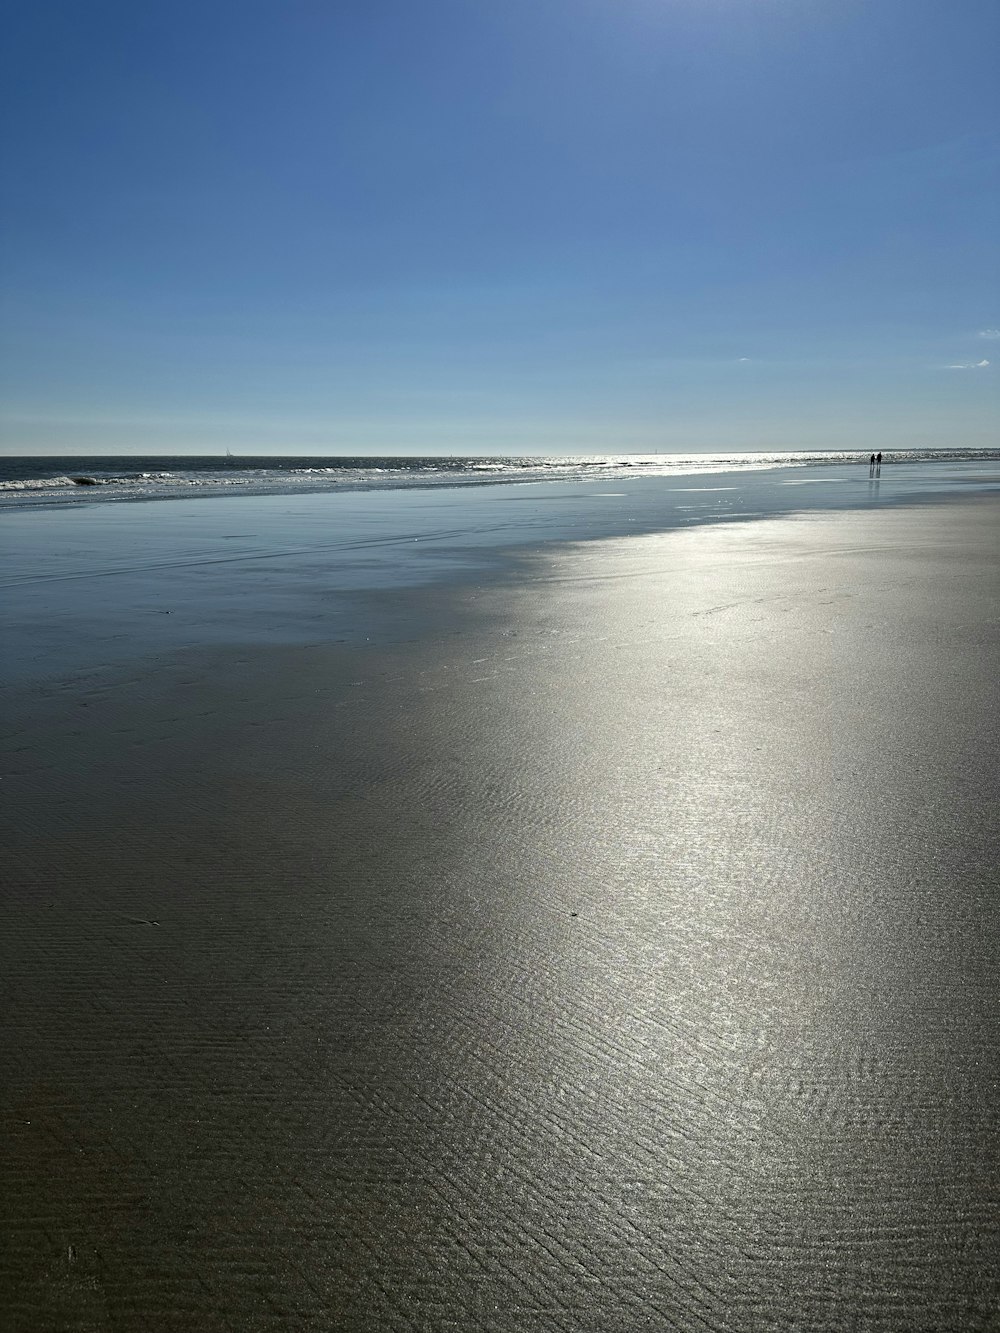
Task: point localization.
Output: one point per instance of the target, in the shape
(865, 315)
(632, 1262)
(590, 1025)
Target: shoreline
(55, 482)
(97, 587)
(620, 947)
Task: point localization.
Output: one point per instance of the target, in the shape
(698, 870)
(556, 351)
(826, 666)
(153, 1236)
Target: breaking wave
(35, 480)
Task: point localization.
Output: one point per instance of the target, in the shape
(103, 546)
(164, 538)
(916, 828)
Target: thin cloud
(989, 333)
(968, 365)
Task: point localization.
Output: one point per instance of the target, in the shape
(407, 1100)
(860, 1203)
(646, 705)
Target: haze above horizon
(543, 227)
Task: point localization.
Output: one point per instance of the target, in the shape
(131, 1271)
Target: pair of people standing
(875, 463)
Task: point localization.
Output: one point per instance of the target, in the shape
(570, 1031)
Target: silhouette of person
(878, 461)
(871, 463)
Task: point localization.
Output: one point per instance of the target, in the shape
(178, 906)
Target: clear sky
(528, 226)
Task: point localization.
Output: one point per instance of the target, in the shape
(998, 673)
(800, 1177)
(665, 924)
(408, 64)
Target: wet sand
(618, 954)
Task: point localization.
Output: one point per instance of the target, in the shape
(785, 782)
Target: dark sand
(620, 955)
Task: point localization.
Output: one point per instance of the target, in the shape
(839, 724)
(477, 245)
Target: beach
(601, 937)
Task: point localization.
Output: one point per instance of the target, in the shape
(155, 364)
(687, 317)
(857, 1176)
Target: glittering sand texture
(620, 953)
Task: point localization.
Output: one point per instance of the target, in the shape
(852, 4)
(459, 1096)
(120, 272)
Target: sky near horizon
(492, 226)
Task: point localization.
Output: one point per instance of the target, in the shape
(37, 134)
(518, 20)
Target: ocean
(34, 481)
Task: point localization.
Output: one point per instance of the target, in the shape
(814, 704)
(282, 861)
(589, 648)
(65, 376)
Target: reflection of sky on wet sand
(97, 584)
(697, 954)
(617, 952)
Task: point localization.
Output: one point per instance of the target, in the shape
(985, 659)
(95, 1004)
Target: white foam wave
(271, 475)
(36, 483)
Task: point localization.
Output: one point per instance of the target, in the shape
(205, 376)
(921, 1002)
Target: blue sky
(391, 226)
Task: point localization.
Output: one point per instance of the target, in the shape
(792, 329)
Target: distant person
(878, 461)
(871, 463)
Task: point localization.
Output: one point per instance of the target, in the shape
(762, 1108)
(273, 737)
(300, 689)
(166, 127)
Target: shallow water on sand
(619, 955)
(44, 482)
(85, 588)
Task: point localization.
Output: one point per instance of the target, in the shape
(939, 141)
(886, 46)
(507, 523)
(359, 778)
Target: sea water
(281, 559)
(85, 479)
